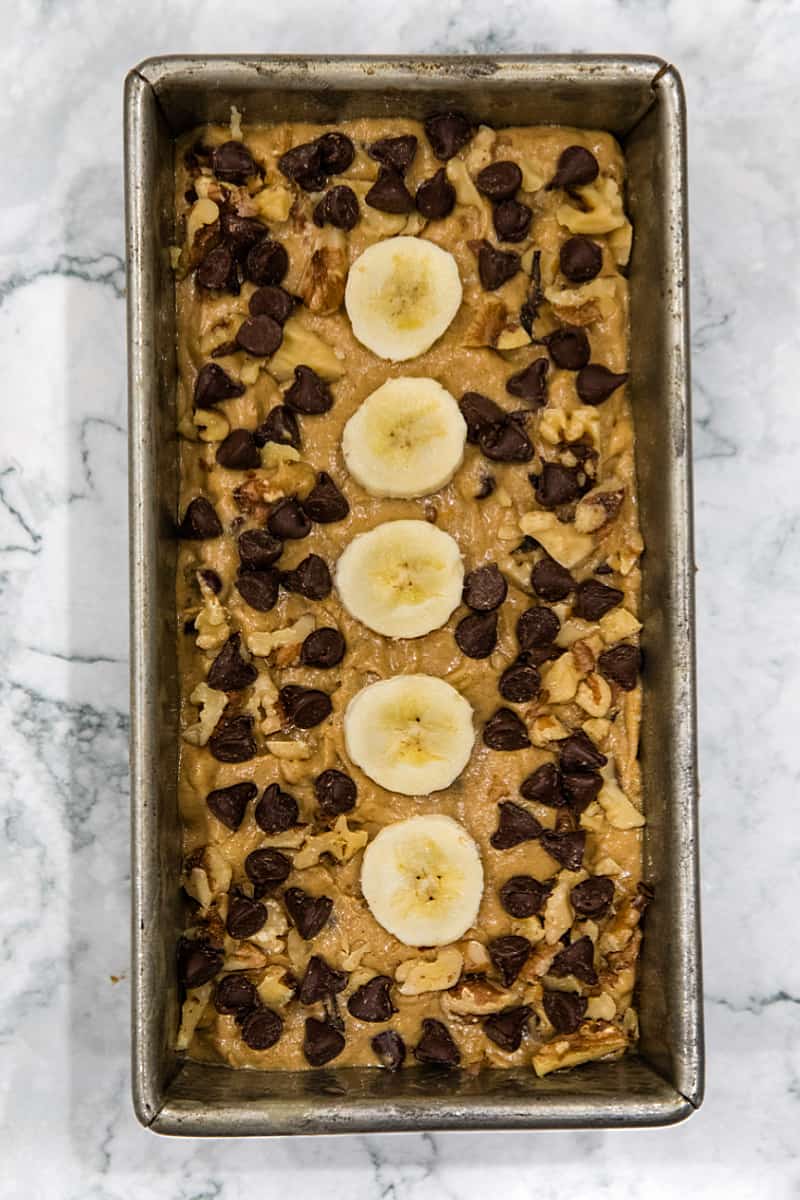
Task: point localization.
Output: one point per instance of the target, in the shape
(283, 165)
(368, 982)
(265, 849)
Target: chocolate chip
(310, 578)
(496, 267)
(200, 521)
(580, 259)
(232, 162)
(512, 220)
(523, 896)
(321, 1042)
(224, 349)
(213, 385)
(538, 626)
(480, 413)
(476, 635)
(337, 152)
(447, 133)
(309, 394)
(581, 788)
(550, 580)
(389, 193)
(603, 569)
(566, 848)
(233, 742)
(620, 664)
(569, 348)
(531, 383)
(519, 683)
(276, 811)
(595, 383)
(198, 962)
(506, 1028)
(488, 484)
(436, 1045)
(259, 336)
(338, 207)
(261, 1029)
(259, 589)
(564, 1010)
(390, 1049)
(258, 549)
(485, 588)
(436, 197)
(303, 164)
(577, 166)
(267, 868)
(240, 232)
(505, 731)
(372, 1002)
(500, 180)
(239, 452)
(509, 955)
(324, 648)
(395, 152)
(530, 309)
(543, 786)
(540, 654)
(234, 994)
(309, 913)
(217, 271)
(304, 707)
(266, 263)
(579, 753)
(229, 804)
(325, 503)
(245, 917)
(593, 897)
(557, 484)
(288, 521)
(280, 426)
(320, 981)
(336, 793)
(515, 825)
(576, 959)
(594, 599)
(271, 301)
(229, 672)
(506, 441)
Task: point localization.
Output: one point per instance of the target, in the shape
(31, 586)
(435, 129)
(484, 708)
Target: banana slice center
(406, 294)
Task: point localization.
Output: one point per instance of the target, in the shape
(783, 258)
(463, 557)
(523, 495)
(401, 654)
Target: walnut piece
(561, 678)
(594, 695)
(301, 347)
(599, 506)
(418, 975)
(211, 622)
(558, 914)
(593, 1040)
(212, 705)
(273, 989)
(474, 998)
(341, 843)
(193, 1008)
(562, 542)
(322, 285)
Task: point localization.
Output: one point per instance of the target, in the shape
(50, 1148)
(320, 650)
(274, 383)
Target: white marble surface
(69, 1128)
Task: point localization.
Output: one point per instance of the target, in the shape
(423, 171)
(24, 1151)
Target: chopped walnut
(289, 749)
(322, 285)
(261, 703)
(562, 542)
(211, 622)
(341, 843)
(617, 625)
(561, 678)
(273, 203)
(263, 644)
(418, 975)
(556, 425)
(558, 914)
(476, 956)
(274, 990)
(593, 1040)
(478, 153)
(460, 178)
(212, 705)
(619, 811)
(270, 937)
(301, 347)
(208, 877)
(545, 729)
(202, 213)
(599, 506)
(594, 695)
(603, 210)
(244, 956)
(211, 426)
(487, 323)
(583, 305)
(193, 1008)
(473, 998)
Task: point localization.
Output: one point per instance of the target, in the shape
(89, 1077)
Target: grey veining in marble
(69, 1132)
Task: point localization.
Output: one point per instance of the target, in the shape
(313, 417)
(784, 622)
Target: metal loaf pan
(641, 101)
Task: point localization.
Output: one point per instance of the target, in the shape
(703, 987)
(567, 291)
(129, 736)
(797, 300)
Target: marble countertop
(70, 1130)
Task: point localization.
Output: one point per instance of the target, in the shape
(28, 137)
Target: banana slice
(406, 439)
(423, 880)
(401, 295)
(401, 579)
(411, 734)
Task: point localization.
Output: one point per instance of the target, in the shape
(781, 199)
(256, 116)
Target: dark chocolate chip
(576, 959)
(594, 599)
(322, 1042)
(543, 786)
(261, 1029)
(447, 133)
(310, 578)
(338, 207)
(538, 626)
(267, 868)
(280, 426)
(564, 1010)
(480, 413)
(557, 484)
(395, 152)
(217, 271)
(198, 962)
(488, 484)
(200, 521)
(389, 193)
(593, 897)
(258, 549)
(539, 655)
(512, 220)
(390, 1049)
(325, 503)
(233, 742)
(577, 166)
(320, 981)
(621, 664)
(523, 896)
(436, 1045)
(259, 336)
(288, 521)
(324, 648)
(506, 1028)
(372, 1001)
(245, 917)
(304, 707)
(496, 267)
(259, 589)
(309, 394)
(580, 259)
(531, 383)
(509, 955)
(581, 788)
(519, 683)
(566, 848)
(303, 164)
(550, 580)
(229, 804)
(239, 452)
(266, 263)
(241, 233)
(506, 441)
(500, 180)
(234, 994)
(224, 349)
(232, 162)
(229, 672)
(505, 731)
(436, 197)
(337, 151)
(485, 588)
(276, 811)
(530, 309)
(214, 385)
(476, 635)
(603, 569)
(515, 825)
(579, 753)
(336, 793)
(271, 301)
(595, 383)
(569, 348)
(309, 913)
